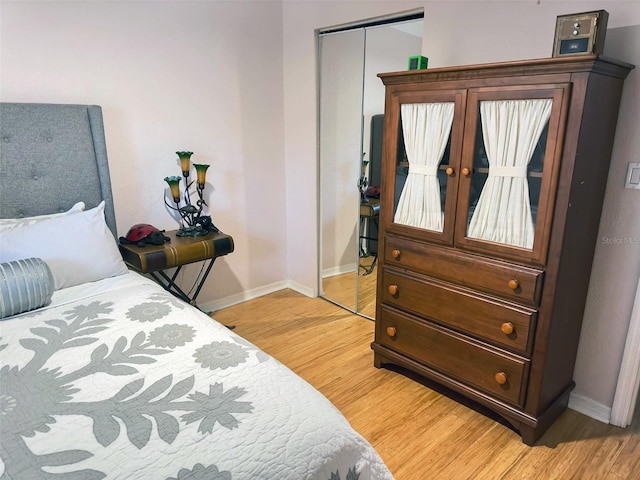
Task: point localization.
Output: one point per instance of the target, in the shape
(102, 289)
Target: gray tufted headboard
(51, 157)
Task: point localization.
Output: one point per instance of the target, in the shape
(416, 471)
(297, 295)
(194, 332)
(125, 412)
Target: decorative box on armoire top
(493, 178)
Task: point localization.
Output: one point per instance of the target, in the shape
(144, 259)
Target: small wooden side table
(179, 251)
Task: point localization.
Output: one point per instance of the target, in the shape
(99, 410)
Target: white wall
(616, 265)
(199, 76)
(469, 32)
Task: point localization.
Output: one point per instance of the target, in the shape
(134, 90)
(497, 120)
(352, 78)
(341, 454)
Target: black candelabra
(192, 222)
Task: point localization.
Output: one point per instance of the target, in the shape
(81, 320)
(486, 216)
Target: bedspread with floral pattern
(131, 383)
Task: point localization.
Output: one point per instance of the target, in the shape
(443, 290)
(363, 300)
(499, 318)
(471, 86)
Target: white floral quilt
(120, 380)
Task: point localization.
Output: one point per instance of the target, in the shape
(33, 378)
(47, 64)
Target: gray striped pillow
(24, 285)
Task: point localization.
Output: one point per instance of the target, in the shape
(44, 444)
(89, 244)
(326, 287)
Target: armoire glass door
(510, 161)
(426, 164)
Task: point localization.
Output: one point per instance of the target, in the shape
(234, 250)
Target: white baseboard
(255, 293)
(589, 407)
(303, 289)
(339, 270)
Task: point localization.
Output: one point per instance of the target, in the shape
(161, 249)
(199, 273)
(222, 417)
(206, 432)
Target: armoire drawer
(505, 279)
(487, 318)
(455, 355)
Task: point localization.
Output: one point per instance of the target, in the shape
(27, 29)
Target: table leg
(204, 277)
(169, 284)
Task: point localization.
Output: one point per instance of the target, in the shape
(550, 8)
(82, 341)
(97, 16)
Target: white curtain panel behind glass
(510, 130)
(426, 128)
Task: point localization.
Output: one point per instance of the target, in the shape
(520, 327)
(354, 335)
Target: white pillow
(6, 223)
(78, 248)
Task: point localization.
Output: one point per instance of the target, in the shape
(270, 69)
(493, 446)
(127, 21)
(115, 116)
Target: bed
(103, 374)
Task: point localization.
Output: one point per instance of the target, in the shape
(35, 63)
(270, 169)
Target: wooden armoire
(493, 178)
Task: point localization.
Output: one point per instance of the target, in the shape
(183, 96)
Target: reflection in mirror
(351, 107)
(341, 71)
(511, 135)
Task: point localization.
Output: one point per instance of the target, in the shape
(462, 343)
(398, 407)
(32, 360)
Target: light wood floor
(420, 433)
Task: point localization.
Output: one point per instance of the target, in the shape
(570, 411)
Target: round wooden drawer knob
(513, 284)
(395, 253)
(500, 378)
(391, 331)
(393, 289)
(450, 171)
(466, 172)
(507, 328)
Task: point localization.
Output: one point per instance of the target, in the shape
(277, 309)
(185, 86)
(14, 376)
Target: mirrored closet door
(351, 110)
